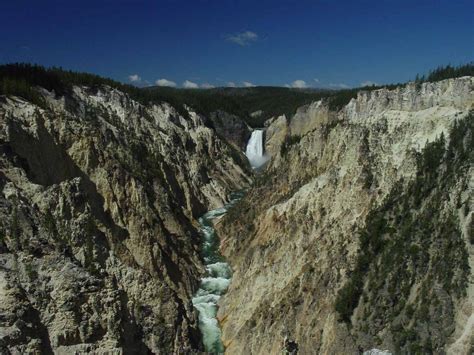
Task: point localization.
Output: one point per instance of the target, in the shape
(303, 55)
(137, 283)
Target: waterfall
(254, 151)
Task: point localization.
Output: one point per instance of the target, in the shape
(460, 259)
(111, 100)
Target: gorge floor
(215, 281)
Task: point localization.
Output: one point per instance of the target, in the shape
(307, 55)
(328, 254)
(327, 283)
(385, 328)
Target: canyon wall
(359, 233)
(98, 231)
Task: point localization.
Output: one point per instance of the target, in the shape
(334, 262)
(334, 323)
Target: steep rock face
(359, 234)
(232, 128)
(98, 238)
(310, 117)
(275, 134)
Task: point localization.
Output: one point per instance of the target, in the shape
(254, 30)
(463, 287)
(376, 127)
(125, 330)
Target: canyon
(352, 228)
(100, 245)
(358, 235)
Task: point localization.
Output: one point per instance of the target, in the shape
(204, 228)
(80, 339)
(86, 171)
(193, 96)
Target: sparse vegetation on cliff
(92, 198)
(289, 141)
(409, 243)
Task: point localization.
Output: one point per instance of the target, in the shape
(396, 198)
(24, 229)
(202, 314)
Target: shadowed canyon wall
(98, 231)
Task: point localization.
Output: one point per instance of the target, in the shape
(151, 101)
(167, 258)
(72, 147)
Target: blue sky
(320, 43)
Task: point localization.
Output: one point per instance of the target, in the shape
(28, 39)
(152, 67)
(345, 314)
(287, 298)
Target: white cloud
(242, 38)
(248, 84)
(316, 80)
(231, 84)
(134, 78)
(339, 86)
(165, 82)
(190, 85)
(297, 84)
(368, 83)
(207, 86)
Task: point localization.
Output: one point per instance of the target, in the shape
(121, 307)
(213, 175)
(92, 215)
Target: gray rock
(98, 203)
(294, 241)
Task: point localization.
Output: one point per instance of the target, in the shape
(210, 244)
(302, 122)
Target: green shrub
(348, 297)
(404, 228)
(14, 226)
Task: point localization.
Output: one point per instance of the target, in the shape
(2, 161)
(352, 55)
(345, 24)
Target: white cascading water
(254, 151)
(214, 283)
(218, 273)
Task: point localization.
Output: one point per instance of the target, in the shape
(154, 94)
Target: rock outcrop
(276, 131)
(359, 233)
(98, 237)
(232, 128)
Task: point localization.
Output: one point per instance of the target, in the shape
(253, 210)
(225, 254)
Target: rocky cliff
(98, 237)
(231, 127)
(359, 233)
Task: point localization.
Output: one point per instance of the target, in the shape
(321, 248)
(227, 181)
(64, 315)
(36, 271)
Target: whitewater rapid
(215, 282)
(218, 273)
